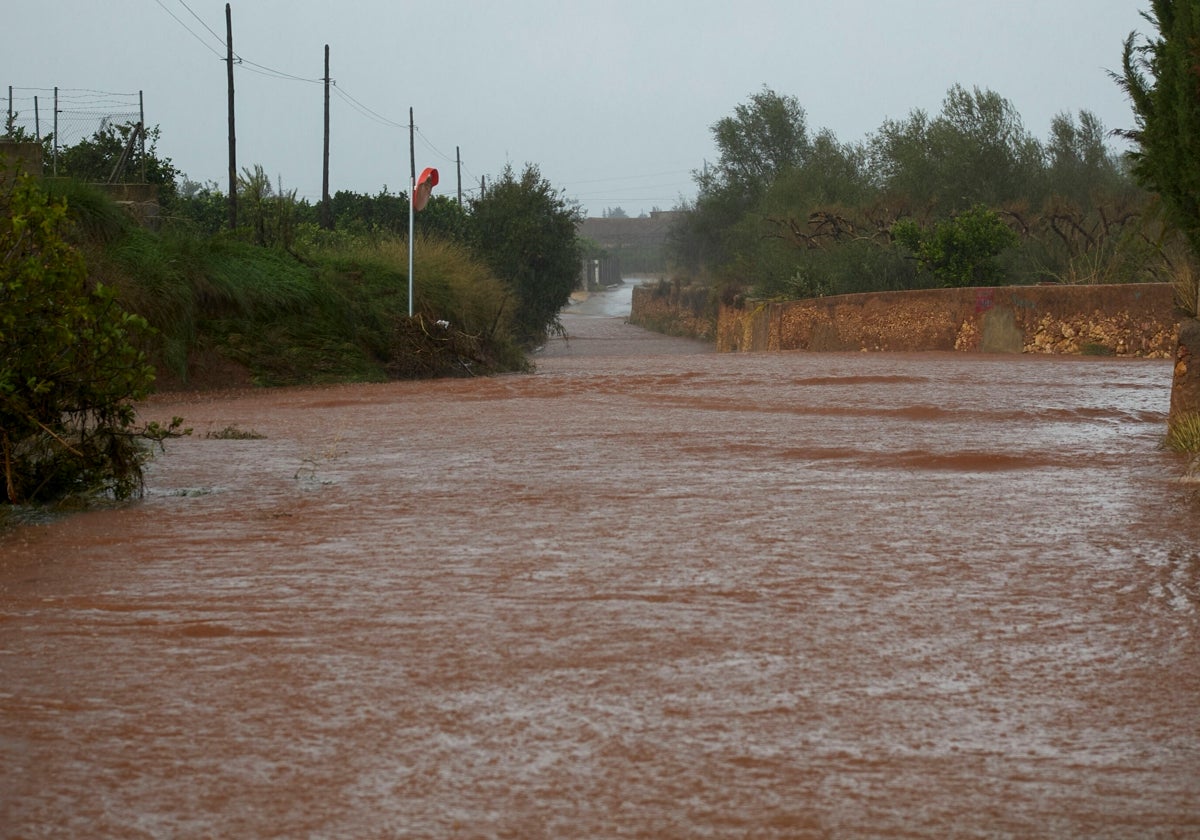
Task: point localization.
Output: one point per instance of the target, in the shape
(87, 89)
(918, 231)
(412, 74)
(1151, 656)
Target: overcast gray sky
(612, 99)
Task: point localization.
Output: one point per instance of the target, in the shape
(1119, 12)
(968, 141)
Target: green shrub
(960, 251)
(70, 367)
(1183, 433)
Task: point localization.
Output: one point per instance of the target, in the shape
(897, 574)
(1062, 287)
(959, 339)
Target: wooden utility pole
(232, 134)
(412, 152)
(458, 171)
(326, 209)
(142, 133)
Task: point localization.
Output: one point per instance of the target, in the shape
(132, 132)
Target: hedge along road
(648, 590)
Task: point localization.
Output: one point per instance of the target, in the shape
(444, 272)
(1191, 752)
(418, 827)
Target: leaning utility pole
(232, 133)
(326, 210)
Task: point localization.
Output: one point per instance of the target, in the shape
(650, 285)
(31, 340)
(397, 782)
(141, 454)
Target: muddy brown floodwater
(646, 591)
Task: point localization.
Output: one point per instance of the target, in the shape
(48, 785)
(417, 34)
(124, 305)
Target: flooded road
(648, 591)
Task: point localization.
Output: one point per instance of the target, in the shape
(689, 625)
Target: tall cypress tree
(1162, 78)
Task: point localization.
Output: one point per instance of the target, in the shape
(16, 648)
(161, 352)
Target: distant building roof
(618, 232)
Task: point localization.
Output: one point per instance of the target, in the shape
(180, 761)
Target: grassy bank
(332, 308)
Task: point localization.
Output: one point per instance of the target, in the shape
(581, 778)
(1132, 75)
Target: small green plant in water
(1183, 434)
(234, 433)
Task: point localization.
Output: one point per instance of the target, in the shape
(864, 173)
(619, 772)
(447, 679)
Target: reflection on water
(644, 591)
(616, 302)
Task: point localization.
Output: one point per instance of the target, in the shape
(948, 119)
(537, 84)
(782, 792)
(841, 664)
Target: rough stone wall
(1122, 320)
(674, 309)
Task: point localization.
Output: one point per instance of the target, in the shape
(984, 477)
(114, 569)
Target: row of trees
(966, 196)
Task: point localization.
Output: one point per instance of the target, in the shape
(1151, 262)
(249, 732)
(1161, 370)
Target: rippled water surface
(647, 591)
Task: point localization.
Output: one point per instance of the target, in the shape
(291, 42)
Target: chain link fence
(61, 117)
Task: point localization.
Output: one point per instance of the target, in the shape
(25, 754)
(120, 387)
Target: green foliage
(525, 230)
(445, 218)
(786, 212)
(764, 138)
(270, 216)
(234, 433)
(94, 216)
(98, 158)
(333, 311)
(975, 152)
(1079, 165)
(201, 207)
(847, 268)
(357, 213)
(961, 251)
(70, 367)
(1183, 434)
(697, 242)
(831, 174)
(1162, 78)
(17, 133)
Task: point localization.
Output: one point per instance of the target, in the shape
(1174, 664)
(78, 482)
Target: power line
(252, 66)
(202, 23)
(207, 45)
(367, 112)
(434, 148)
(271, 72)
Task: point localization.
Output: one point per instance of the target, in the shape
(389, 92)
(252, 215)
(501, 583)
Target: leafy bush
(961, 251)
(70, 367)
(525, 230)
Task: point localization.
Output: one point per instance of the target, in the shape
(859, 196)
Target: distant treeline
(964, 197)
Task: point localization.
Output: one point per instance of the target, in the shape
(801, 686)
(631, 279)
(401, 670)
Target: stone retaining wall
(1123, 320)
(19, 157)
(675, 309)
